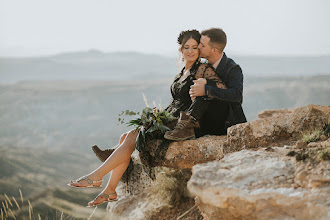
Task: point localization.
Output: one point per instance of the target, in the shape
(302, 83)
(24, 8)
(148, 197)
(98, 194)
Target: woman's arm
(212, 80)
(207, 72)
(234, 91)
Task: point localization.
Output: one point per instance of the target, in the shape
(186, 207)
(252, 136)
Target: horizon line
(167, 54)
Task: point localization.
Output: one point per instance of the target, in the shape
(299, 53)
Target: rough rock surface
(278, 127)
(273, 112)
(186, 154)
(258, 185)
(260, 170)
(169, 189)
(273, 128)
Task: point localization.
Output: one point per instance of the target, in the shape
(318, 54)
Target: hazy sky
(267, 27)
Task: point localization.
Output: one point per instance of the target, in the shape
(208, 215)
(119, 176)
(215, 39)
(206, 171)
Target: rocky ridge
(261, 170)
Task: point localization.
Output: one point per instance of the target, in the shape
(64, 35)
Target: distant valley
(72, 100)
(72, 115)
(96, 65)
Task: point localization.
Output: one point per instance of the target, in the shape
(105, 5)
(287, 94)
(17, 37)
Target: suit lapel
(221, 67)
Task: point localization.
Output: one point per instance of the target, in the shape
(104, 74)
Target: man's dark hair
(218, 38)
(186, 35)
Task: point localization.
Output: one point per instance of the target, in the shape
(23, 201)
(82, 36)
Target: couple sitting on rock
(206, 99)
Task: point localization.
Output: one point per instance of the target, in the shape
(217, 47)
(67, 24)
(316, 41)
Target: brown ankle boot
(184, 129)
(102, 155)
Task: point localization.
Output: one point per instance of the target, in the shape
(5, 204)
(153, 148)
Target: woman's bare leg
(122, 138)
(115, 177)
(119, 156)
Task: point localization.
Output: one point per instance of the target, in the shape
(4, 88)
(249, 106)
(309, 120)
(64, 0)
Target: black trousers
(211, 115)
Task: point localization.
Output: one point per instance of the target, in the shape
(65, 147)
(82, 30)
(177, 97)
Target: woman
(119, 160)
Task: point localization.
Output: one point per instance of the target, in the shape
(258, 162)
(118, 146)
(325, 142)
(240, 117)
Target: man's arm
(234, 91)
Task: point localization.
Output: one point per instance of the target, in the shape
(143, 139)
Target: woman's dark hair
(186, 35)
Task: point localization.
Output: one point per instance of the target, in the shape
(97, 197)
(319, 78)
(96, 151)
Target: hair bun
(184, 34)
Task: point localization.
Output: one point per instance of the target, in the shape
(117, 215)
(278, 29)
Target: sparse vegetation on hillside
(312, 137)
(45, 206)
(41, 176)
(325, 154)
(316, 134)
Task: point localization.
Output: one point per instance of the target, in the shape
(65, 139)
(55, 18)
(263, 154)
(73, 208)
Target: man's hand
(198, 89)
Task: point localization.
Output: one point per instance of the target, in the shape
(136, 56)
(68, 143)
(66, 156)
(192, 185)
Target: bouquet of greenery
(149, 122)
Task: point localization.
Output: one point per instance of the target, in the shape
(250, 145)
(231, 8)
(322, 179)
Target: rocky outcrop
(278, 127)
(261, 170)
(273, 128)
(258, 185)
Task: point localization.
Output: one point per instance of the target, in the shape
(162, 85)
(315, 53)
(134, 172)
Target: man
(215, 109)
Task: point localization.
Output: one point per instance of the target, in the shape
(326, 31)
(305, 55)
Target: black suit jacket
(232, 75)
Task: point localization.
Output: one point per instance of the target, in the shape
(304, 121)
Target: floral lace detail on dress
(207, 71)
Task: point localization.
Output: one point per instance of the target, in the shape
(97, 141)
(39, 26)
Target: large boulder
(186, 154)
(278, 127)
(259, 185)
